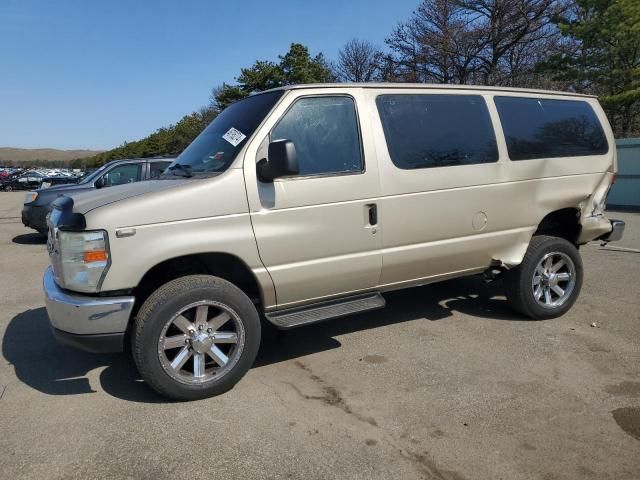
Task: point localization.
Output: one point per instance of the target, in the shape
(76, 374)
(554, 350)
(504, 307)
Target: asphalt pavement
(445, 383)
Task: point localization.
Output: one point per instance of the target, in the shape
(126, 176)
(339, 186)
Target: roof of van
(427, 86)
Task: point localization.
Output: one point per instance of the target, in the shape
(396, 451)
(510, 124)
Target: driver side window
(123, 174)
(325, 133)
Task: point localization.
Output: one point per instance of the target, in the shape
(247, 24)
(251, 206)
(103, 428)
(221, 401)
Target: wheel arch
(219, 264)
(563, 223)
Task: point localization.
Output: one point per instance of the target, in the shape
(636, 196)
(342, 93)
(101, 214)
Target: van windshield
(218, 144)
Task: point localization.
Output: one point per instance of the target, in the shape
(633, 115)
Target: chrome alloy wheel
(202, 342)
(553, 279)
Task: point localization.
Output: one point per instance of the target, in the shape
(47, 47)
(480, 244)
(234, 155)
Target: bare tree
(436, 44)
(510, 33)
(359, 61)
(408, 57)
(475, 41)
(389, 70)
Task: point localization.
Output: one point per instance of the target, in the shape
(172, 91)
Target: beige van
(307, 203)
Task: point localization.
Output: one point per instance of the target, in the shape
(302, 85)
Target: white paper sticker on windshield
(234, 137)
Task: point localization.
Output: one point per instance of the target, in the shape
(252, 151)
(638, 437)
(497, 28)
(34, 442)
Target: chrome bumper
(617, 229)
(90, 323)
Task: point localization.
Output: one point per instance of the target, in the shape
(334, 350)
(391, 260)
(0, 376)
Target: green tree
(224, 95)
(295, 67)
(263, 75)
(299, 67)
(605, 59)
(165, 141)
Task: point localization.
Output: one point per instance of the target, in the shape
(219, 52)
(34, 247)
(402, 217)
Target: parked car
(21, 181)
(308, 203)
(118, 172)
(7, 181)
(58, 180)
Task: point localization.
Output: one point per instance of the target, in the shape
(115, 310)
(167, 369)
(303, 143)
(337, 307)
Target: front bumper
(94, 324)
(35, 216)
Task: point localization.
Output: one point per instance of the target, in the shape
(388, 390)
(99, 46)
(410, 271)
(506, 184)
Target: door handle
(372, 210)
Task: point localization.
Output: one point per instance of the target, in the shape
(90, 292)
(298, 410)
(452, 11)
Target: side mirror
(99, 183)
(282, 161)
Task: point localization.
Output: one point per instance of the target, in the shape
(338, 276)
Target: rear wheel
(8, 188)
(548, 281)
(195, 337)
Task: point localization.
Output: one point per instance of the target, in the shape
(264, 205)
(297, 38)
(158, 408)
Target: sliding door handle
(372, 209)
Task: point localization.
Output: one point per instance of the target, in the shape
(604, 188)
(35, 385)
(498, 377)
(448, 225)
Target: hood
(47, 195)
(164, 201)
(64, 186)
(85, 201)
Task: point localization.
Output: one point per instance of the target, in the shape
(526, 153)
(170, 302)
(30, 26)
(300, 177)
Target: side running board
(318, 312)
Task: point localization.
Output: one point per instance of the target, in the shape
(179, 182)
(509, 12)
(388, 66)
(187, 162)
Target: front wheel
(548, 281)
(195, 337)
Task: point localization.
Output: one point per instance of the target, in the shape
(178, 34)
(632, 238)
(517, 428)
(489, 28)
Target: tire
(8, 188)
(193, 310)
(528, 284)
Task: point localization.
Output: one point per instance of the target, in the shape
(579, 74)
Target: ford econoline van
(307, 203)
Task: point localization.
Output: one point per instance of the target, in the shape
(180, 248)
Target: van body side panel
(603, 166)
(201, 216)
(461, 218)
(444, 238)
(312, 232)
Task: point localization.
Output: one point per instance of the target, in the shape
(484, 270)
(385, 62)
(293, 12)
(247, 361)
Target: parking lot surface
(445, 383)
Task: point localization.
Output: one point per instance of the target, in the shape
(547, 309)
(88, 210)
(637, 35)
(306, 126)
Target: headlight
(84, 259)
(30, 197)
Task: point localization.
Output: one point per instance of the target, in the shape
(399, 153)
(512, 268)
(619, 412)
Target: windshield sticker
(234, 137)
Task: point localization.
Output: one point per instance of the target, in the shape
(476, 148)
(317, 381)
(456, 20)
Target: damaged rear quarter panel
(428, 214)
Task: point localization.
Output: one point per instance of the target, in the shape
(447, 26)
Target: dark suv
(118, 172)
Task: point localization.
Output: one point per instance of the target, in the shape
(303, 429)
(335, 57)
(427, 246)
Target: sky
(95, 73)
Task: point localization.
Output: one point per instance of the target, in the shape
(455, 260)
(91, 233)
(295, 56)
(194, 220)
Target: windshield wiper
(180, 169)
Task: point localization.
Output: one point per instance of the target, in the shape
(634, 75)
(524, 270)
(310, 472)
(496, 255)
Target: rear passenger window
(430, 130)
(157, 168)
(541, 128)
(127, 173)
(325, 133)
